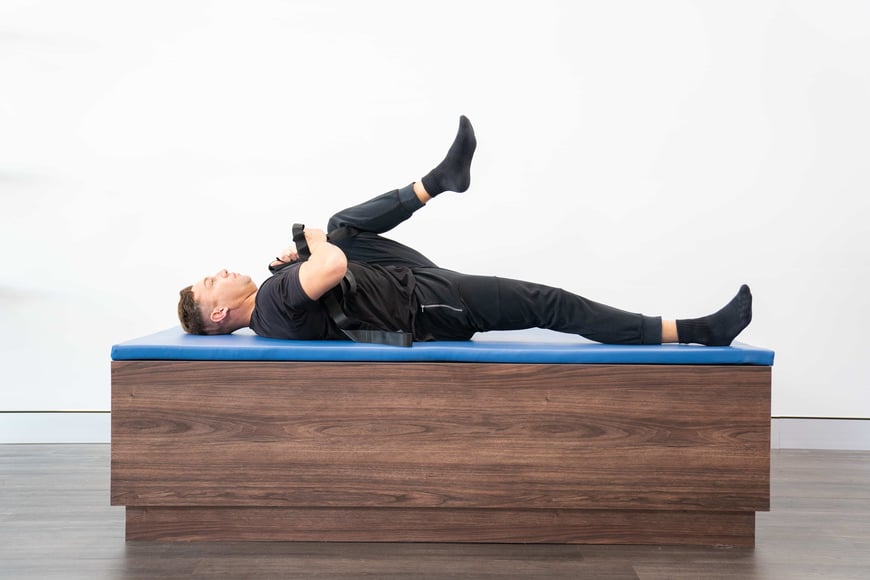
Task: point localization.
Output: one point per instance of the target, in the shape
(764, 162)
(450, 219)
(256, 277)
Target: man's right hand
(313, 235)
(290, 254)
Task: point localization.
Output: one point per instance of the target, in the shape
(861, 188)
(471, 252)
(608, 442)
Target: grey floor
(55, 522)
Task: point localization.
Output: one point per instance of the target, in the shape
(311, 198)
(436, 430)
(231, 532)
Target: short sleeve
(290, 289)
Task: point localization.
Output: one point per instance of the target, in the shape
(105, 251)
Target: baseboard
(95, 427)
(55, 427)
(816, 433)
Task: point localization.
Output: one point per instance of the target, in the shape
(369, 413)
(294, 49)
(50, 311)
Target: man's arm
(324, 269)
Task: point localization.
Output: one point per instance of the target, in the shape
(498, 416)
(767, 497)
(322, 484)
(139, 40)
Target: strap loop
(301, 244)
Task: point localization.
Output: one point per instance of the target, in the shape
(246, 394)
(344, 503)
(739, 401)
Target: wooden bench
(495, 440)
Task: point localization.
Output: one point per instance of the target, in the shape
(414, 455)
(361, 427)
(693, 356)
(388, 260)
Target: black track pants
(374, 217)
(454, 306)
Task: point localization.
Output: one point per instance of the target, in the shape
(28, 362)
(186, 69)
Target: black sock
(454, 173)
(720, 328)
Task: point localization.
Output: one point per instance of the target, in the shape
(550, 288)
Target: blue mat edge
(531, 347)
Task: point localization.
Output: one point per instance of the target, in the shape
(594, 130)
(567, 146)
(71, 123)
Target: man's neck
(246, 310)
(240, 316)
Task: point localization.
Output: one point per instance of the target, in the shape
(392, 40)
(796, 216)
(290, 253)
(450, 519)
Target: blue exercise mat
(527, 346)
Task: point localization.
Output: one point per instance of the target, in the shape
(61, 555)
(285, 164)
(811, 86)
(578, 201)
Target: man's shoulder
(280, 279)
(284, 287)
(283, 310)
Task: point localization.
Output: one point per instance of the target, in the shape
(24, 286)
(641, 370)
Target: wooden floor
(55, 522)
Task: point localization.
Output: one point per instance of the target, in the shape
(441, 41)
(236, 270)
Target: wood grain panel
(440, 525)
(423, 435)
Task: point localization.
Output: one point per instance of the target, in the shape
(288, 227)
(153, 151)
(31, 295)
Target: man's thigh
(376, 249)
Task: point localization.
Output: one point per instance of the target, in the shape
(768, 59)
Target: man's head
(217, 304)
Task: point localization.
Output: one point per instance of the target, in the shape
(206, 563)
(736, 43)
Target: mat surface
(527, 346)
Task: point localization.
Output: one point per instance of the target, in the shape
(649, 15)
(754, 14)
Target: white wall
(653, 155)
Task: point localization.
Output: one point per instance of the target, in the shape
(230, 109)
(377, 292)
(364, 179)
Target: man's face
(223, 288)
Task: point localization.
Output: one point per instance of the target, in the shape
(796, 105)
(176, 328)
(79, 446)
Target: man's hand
(285, 256)
(314, 235)
(288, 254)
(291, 254)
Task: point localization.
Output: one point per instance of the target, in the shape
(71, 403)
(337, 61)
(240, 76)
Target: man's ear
(218, 314)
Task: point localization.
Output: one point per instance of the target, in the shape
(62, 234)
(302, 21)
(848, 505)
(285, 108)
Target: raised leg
(384, 212)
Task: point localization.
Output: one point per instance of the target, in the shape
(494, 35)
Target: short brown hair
(189, 313)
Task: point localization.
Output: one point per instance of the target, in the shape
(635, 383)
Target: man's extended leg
(481, 303)
(520, 304)
(454, 306)
(517, 304)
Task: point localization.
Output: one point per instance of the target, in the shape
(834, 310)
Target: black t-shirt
(384, 300)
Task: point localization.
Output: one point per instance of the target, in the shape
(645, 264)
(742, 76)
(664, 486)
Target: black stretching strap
(345, 288)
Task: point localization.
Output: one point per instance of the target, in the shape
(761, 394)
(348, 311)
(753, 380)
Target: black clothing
(384, 300)
(492, 303)
(401, 289)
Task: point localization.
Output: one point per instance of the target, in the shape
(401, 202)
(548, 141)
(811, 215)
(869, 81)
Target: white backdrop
(652, 155)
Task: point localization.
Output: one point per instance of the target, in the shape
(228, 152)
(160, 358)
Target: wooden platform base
(452, 452)
(441, 525)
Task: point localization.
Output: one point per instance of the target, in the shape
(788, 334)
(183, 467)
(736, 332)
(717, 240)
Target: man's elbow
(339, 266)
(336, 266)
(323, 271)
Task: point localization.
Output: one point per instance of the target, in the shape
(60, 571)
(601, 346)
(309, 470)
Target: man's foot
(454, 173)
(722, 327)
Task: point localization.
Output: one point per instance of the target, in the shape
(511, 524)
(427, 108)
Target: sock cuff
(431, 188)
(691, 330)
(409, 199)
